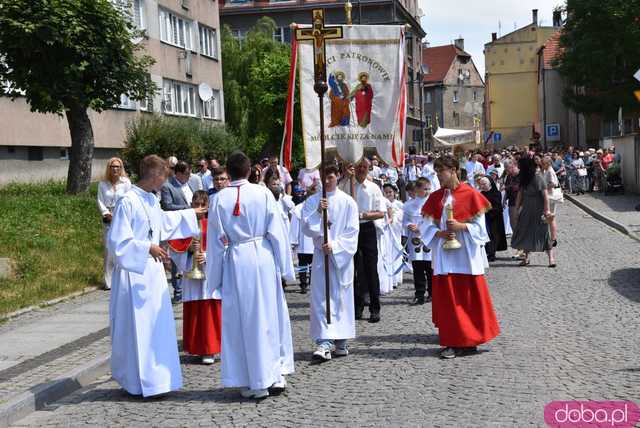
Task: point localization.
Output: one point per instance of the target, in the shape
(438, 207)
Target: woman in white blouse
(114, 185)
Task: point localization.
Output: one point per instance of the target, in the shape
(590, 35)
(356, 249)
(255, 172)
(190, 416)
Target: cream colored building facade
(184, 38)
(511, 64)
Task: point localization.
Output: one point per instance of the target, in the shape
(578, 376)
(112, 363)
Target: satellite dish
(205, 92)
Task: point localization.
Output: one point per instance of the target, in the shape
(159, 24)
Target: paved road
(569, 333)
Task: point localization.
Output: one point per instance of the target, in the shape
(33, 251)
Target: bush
(185, 138)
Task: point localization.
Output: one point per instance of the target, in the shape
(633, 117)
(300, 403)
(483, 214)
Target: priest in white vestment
(248, 253)
(144, 348)
(341, 247)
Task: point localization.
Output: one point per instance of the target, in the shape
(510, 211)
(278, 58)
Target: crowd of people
(232, 237)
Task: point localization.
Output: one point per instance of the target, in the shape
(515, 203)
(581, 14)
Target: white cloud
(475, 20)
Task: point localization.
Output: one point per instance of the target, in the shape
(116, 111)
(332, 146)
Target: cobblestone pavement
(568, 333)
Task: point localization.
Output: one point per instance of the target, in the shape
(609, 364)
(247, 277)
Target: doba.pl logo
(584, 414)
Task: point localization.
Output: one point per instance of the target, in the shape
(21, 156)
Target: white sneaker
(341, 352)
(321, 353)
(208, 359)
(254, 393)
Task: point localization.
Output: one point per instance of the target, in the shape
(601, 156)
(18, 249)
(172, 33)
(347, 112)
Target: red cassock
(202, 319)
(462, 307)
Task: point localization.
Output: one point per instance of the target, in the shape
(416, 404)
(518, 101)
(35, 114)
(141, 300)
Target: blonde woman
(114, 185)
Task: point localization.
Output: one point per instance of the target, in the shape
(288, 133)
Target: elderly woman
(114, 185)
(577, 174)
(493, 218)
(532, 229)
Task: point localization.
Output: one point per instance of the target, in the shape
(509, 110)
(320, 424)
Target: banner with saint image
(366, 102)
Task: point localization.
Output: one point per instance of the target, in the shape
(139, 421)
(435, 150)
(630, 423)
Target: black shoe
(491, 258)
(303, 288)
(428, 299)
(448, 353)
(417, 301)
(176, 299)
(467, 351)
(374, 318)
(359, 314)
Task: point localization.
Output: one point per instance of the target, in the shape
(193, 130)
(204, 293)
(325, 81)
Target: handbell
(451, 244)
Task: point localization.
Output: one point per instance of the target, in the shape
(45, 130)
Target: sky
(475, 20)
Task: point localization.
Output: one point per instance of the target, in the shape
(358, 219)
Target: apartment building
(184, 38)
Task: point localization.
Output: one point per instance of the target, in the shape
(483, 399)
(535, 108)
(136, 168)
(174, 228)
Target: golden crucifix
(318, 33)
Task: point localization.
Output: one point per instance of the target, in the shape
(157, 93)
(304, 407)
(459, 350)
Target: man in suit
(176, 194)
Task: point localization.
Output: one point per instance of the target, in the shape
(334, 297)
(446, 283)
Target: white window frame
(126, 103)
(138, 14)
(278, 37)
(455, 97)
(428, 97)
(179, 98)
(175, 30)
(211, 108)
(239, 35)
(208, 41)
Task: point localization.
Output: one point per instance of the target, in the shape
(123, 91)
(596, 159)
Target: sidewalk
(618, 211)
(50, 352)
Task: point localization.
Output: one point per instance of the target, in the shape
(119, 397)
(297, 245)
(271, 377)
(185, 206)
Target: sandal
(524, 263)
(552, 265)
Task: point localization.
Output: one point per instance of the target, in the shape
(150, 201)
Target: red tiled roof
(438, 60)
(552, 50)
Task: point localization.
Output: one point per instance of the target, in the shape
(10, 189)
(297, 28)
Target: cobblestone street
(567, 333)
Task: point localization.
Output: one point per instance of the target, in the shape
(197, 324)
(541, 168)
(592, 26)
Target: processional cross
(318, 34)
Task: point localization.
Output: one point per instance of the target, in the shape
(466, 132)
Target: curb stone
(603, 218)
(40, 396)
(52, 302)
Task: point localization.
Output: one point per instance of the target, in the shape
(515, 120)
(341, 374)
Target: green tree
(600, 53)
(256, 75)
(69, 56)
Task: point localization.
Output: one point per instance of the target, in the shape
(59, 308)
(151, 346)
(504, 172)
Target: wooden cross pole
(318, 33)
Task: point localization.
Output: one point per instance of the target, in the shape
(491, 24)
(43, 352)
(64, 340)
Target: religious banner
(365, 105)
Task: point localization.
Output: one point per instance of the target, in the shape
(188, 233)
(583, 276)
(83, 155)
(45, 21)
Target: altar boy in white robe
(144, 348)
(248, 253)
(342, 245)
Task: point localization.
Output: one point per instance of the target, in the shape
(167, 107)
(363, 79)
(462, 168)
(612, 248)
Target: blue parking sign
(553, 132)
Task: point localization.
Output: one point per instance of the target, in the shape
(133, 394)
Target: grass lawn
(55, 239)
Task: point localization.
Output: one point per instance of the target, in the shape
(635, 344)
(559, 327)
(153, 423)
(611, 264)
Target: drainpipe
(544, 107)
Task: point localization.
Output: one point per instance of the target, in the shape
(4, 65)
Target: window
(278, 34)
(126, 103)
(138, 14)
(211, 108)
(208, 42)
(238, 34)
(427, 96)
(175, 30)
(428, 121)
(456, 119)
(455, 96)
(475, 95)
(146, 104)
(35, 153)
(64, 153)
(178, 98)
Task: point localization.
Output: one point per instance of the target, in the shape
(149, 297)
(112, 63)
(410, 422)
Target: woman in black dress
(532, 230)
(493, 218)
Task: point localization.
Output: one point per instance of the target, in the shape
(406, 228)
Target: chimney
(494, 37)
(459, 43)
(557, 18)
(535, 17)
